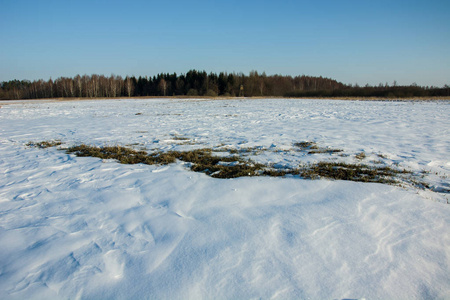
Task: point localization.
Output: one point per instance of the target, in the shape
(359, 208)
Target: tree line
(380, 91)
(199, 83)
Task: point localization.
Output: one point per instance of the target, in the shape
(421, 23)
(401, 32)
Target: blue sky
(350, 41)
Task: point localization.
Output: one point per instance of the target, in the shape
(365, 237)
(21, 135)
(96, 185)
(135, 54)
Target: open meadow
(224, 199)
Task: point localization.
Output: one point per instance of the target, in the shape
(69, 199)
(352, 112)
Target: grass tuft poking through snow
(44, 144)
(313, 148)
(360, 155)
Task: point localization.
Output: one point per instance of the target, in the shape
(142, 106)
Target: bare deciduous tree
(129, 86)
(163, 86)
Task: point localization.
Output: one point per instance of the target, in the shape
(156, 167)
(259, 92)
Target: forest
(200, 83)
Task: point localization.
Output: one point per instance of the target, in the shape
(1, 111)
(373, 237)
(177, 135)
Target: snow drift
(77, 227)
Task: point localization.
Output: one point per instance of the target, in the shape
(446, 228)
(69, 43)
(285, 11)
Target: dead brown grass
(44, 144)
(313, 148)
(235, 165)
(203, 160)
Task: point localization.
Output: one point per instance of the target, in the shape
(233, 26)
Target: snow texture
(82, 228)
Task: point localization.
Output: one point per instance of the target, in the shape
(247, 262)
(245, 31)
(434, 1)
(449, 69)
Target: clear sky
(351, 41)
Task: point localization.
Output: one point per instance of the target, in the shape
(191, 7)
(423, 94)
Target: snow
(82, 228)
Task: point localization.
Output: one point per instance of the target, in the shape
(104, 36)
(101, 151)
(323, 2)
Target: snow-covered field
(82, 228)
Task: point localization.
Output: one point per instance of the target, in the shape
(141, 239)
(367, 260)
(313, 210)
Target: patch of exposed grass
(278, 172)
(360, 155)
(44, 144)
(243, 150)
(377, 162)
(325, 150)
(122, 154)
(352, 172)
(180, 138)
(421, 184)
(313, 148)
(235, 165)
(251, 150)
(306, 145)
(202, 160)
(340, 171)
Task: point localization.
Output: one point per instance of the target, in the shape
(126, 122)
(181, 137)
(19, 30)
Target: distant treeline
(380, 91)
(199, 83)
